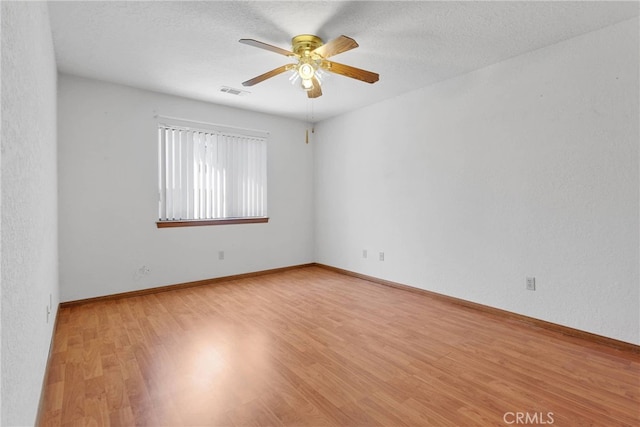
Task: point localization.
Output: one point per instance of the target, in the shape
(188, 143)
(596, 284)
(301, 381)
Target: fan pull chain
(309, 114)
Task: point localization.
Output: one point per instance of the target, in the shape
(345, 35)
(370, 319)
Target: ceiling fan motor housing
(304, 44)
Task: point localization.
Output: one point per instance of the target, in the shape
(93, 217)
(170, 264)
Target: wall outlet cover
(531, 283)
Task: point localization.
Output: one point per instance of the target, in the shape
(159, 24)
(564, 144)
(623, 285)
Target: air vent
(233, 91)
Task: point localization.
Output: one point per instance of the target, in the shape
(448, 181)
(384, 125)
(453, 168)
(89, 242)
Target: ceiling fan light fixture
(304, 84)
(306, 71)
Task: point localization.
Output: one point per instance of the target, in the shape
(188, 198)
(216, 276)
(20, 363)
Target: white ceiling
(191, 49)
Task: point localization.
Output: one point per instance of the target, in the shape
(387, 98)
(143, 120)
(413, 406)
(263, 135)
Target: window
(210, 177)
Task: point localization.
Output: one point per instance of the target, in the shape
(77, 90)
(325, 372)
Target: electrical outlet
(364, 253)
(381, 256)
(220, 255)
(531, 283)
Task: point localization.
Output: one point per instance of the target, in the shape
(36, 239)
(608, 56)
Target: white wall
(108, 195)
(29, 264)
(525, 168)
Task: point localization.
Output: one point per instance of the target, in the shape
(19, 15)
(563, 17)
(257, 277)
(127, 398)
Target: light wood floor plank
(312, 347)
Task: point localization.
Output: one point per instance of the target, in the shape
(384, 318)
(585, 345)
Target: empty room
(320, 213)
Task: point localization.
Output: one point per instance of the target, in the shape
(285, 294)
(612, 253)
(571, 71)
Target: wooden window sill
(202, 222)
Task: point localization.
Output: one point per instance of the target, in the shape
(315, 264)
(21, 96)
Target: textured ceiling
(191, 49)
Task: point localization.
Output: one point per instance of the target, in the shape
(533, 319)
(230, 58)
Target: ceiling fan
(311, 55)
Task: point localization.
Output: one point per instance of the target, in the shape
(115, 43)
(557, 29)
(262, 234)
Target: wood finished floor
(311, 347)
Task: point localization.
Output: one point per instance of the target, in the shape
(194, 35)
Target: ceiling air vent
(233, 91)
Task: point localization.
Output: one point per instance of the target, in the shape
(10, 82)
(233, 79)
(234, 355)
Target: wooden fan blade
(267, 75)
(316, 91)
(261, 45)
(348, 71)
(336, 46)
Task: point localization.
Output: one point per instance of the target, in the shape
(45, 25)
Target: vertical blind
(210, 174)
